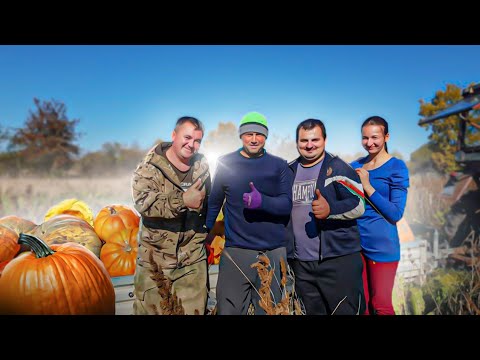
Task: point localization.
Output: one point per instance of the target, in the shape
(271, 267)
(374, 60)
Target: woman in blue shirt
(385, 181)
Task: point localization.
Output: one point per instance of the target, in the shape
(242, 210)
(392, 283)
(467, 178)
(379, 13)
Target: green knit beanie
(253, 122)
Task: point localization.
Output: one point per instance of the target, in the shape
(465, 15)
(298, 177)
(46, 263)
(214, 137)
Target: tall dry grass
(31, 198)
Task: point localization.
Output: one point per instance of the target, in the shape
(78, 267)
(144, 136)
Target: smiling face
(253, 143)
(311, 145)
(374, 139)
(186, 141)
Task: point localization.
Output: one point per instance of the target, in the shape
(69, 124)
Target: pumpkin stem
(39, 247)
(112, 210)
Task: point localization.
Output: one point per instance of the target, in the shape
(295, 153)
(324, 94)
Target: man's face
(253, 143)
(311, 144)
(186, 140)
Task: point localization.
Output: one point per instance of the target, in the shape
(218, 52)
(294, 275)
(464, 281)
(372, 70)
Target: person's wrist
(368, 189)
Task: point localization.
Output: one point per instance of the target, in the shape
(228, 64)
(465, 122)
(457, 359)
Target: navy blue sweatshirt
(259, 229)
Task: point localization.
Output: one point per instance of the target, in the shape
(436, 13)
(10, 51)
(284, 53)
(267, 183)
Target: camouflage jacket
(174, 233)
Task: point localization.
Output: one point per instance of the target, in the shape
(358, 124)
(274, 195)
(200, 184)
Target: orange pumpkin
(217, 247)
(17, 224)
(67, 228)
(64, 279)
(119, 254)
(114, 218)
(2, 266)
(8, 244)
(218, 242)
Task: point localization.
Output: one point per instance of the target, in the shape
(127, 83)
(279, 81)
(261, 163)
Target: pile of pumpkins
(65, 264)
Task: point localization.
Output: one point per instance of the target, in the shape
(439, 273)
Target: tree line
(47, 143)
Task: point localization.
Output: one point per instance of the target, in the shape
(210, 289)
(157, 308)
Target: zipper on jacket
(167, 176)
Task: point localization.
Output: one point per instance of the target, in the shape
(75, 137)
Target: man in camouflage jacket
(170, 191)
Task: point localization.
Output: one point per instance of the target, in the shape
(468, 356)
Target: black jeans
(237, 289)
(331, 286)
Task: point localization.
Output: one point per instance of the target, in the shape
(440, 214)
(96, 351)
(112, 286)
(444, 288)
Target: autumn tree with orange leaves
(444, 136)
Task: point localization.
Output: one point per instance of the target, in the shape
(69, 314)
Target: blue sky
(135, 93)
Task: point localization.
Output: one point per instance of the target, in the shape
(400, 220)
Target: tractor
(461, 228)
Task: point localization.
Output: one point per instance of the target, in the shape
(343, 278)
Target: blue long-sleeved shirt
(259, 229)
(378, 231)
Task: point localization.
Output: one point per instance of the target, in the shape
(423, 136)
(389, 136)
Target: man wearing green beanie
(258, 200)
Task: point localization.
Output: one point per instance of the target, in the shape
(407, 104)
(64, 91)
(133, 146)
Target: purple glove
(253, 199)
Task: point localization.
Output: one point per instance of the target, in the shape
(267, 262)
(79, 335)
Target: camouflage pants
(189, 283)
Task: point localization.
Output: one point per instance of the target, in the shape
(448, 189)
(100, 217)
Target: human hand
(364, 176)
(193, 197)
(320, 206)
(253, 199)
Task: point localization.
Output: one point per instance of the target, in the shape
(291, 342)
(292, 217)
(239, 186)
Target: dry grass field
(31, 198)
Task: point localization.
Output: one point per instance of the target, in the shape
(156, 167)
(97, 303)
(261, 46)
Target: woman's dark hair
(377, 120)
(194, 121)
(309, 124)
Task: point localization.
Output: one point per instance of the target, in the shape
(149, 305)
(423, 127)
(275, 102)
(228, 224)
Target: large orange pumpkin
(64, 279)
(114, 218)
(119, 254)
(8, 244)
(17, 224)
(67, 228)
(2, 266)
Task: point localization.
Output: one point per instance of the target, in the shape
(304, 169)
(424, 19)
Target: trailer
(125, 294)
